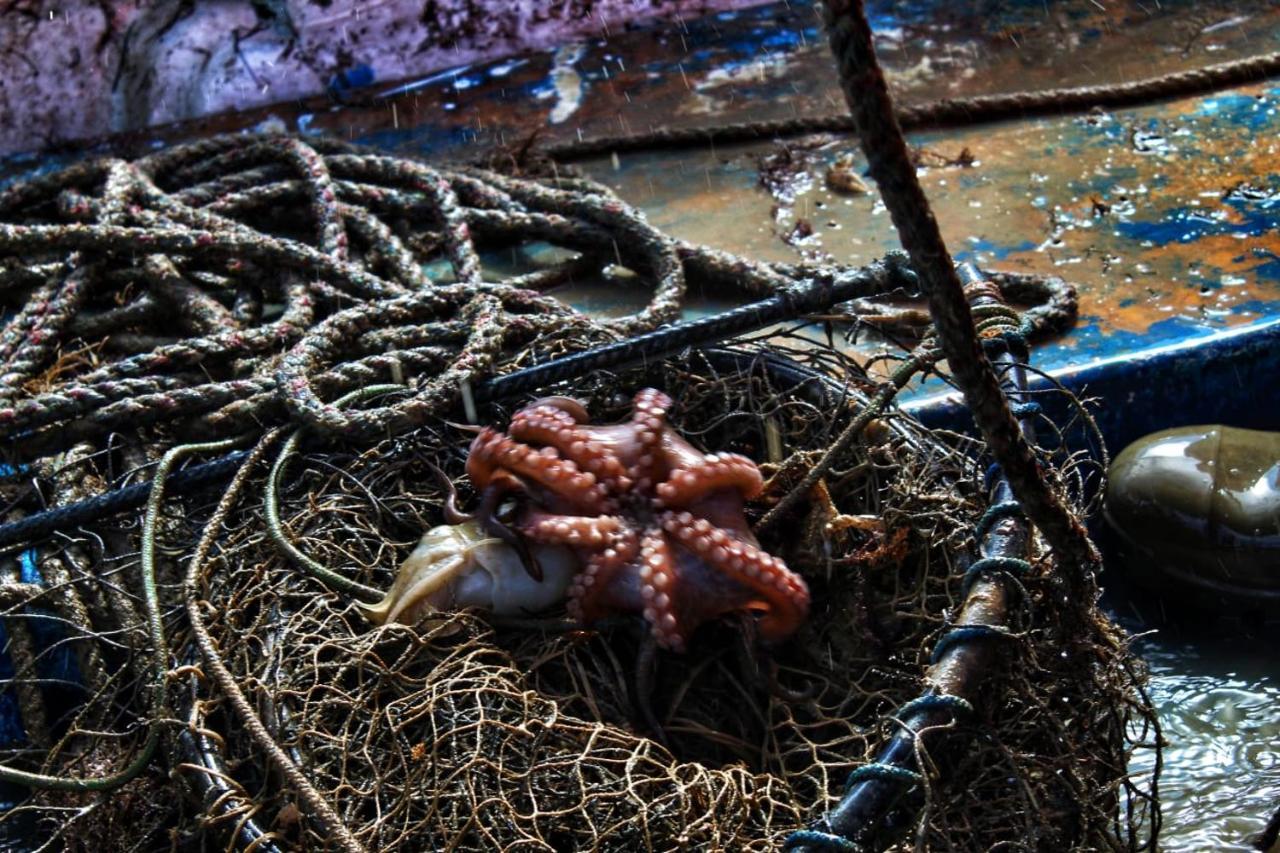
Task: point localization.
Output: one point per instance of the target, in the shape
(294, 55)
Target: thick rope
(867, 95)
(791, 304)
(320, 808)
(946, 112)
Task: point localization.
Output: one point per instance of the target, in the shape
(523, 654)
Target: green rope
(155, 630)
(994, 514)
(883, 772)
(995, 310)
(275, 527)
(1011, 568)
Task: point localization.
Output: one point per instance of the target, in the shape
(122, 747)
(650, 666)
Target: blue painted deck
(1162, 215)
(1223, 377)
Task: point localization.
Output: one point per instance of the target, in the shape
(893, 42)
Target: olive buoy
(1197, 510)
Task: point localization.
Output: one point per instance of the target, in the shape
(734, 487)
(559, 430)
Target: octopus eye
(576, 409)
(506, 513)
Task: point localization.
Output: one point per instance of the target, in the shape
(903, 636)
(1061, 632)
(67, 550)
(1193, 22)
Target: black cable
(874, 278)
(41, 524)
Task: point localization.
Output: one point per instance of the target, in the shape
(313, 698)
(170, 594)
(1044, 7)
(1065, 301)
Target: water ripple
(1219, 705)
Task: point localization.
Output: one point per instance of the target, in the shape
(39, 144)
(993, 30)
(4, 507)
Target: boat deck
(1161, 215)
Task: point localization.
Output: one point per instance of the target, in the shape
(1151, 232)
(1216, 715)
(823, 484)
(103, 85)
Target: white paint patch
(716, 88)
(568, 82)
(922, 72)
(505, 68)
(271, 124)
(429, 80)
(1229, 22)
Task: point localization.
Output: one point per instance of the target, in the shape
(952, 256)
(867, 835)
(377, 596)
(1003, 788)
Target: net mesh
(468, 731)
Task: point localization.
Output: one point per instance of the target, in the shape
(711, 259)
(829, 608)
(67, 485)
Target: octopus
(658, 526)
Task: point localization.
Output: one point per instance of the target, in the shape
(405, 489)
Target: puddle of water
(1217, 691)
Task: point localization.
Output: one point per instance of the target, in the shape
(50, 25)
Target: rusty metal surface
(1162, 216)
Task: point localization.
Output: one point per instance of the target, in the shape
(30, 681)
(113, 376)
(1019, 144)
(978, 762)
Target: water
(1216, 688)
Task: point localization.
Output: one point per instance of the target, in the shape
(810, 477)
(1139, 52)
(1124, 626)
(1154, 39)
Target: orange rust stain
(1054, 196)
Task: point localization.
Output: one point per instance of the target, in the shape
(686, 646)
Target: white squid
(458, 565)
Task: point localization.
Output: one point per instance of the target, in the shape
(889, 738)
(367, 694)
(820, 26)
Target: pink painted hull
(83, 69)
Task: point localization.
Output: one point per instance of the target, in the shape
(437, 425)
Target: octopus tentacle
(717, 471)
(649, 418)
(657, 524)
(657, 586)
(784, 596)
(482, 462)
(573, 408)
(593, 532)
(492, 449)
(589, 591)
(450, 510)
(487, 516)
(541, 423)
(551, 425)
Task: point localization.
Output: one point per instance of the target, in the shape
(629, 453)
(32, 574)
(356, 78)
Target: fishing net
(203, 678)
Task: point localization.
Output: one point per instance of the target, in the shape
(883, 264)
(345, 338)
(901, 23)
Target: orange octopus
(657, 525)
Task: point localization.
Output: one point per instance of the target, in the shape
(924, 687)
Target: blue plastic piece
(356, 77)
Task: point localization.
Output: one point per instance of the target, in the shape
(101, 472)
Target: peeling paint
(567, 82)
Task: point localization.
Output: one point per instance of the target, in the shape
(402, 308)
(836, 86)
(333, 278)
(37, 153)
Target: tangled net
(224, 291)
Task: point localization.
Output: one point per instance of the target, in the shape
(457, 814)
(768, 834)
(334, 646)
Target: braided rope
(889, 162)
(179, 224)
(251, 331)
(173, 243)
(945, 112)
(320, 808)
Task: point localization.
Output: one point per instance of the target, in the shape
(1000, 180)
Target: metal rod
(874, 812)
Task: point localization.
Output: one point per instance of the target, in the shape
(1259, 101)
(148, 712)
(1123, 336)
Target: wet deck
(1161, 215)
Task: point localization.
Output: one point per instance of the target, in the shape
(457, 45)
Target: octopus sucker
(575, 409)
(659, 526)
(547, 469)
(589, 533)
(725, 471)
(459, 565)
(588, 455)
